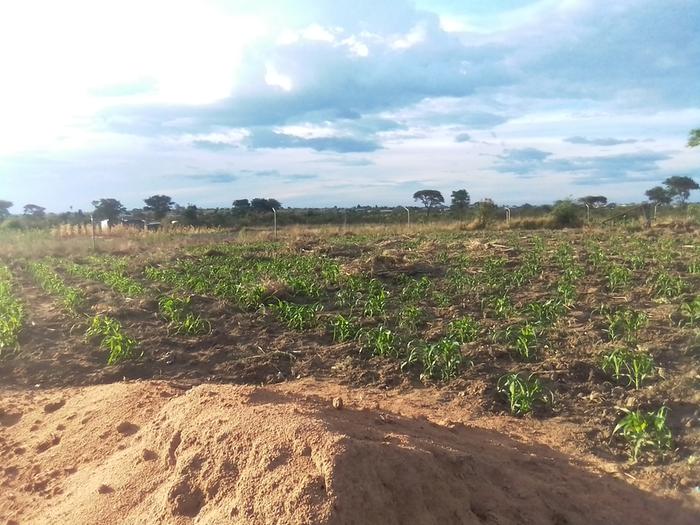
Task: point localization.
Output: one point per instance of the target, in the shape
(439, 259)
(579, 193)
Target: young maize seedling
(667, 286)
(297, 316)
(378, 341)
(522, 393)
(644, 431)
(691, 312)
(464, 330)
(121, 347)
(635, 366)
(343, 329)
(625, 324)
(441, 360)
(410, 317)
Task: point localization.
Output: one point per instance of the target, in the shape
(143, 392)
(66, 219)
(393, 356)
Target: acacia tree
(658, 195)
(259, 204)
(680, 187)
(5, 208)
(429, 198)
(109, 209)
(595, 201)
(241, 204)
(34, 210)
(160, 205)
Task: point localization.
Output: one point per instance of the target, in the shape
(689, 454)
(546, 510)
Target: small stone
(338, 403)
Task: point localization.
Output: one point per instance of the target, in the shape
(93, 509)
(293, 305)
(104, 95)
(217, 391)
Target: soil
(256, 423)
(149, 452)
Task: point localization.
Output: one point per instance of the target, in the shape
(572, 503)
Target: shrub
(565, 215)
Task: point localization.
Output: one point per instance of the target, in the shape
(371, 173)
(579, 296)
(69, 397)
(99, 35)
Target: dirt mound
(151, 453)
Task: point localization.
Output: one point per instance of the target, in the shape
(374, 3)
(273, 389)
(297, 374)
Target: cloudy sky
(341, 102)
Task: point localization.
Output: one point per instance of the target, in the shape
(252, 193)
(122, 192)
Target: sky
(344, 102)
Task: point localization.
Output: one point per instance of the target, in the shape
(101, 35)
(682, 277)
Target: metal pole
(588, 213)
(274, 216)
(345, 219)
(655, 206)
(92, 222)
(507, 215)
(408, 216)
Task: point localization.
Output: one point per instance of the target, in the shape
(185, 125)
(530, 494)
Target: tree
(595, 201)
(694, 138)
(265, 204)
(34, 210)
(460, 200)
(429, 198)
(5, 208)
(109, 209)
(680, 187)
(658, 195)
(191, 215)
(241, 204)
(160, 205)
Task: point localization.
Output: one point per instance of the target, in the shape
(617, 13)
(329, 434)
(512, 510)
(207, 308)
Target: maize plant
(178, 312)
(625, 325)
(635, 366)
(644, 431)
(11, 314)
(691, 312)
(442, 360)
(343, 329)
(378, 341)
(464, 330)
(121, 347)
(522, 393)
(297, 316)
(51, 282)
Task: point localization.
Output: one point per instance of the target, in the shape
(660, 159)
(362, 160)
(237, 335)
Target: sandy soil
(303, 452)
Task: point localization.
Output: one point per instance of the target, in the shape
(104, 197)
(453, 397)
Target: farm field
(581, 347)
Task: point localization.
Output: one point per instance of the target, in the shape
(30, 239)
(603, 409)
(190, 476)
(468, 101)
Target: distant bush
(13, 224)
(565, 215)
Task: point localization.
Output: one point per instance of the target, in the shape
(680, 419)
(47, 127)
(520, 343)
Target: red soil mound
(150, 453)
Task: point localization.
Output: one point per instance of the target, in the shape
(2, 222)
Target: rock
(338, 403)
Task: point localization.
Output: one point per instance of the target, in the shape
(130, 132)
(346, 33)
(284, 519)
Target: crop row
(11, 314)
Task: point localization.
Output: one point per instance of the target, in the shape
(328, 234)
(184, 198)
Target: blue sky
(344, 102)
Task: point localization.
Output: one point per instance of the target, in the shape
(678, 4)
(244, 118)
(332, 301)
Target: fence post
(408, 216)
(92, 222)
(274, 218)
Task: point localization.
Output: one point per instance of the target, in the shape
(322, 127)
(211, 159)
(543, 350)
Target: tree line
(674, 189)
